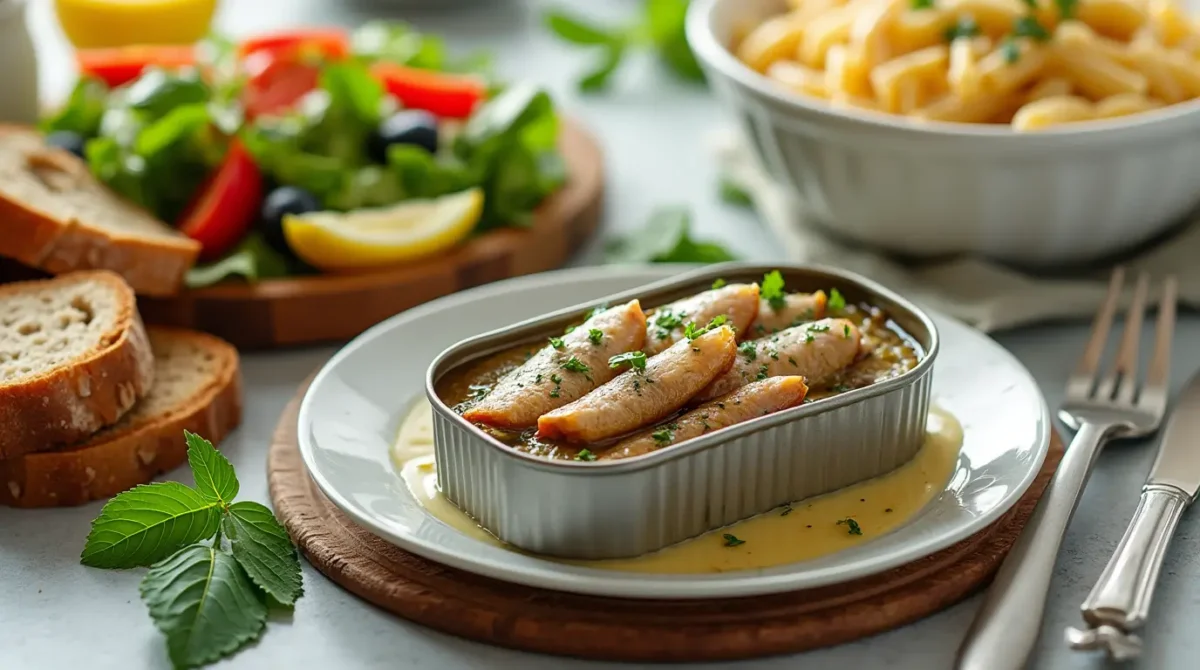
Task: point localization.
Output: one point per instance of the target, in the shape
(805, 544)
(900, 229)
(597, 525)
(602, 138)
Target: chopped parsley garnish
(922, 4)
(537, 379)
(846, 331)
(557, 382)
(732, 540)
(666, 321)
(808, 338)
(762, 373)
(573, 364)
(1028, 26)
(585, 455)
(772, 290)
(852, 526)
(719, 283)
(556, 392)
(595, 335)
(556, 342)
(663, 436)
(774, 355)
(793, 362)
(748, 350)
(691, 332)
(556, 379)
(965, 27)
(635, 359)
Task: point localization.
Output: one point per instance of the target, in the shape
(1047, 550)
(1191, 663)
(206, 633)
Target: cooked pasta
(1034, 64)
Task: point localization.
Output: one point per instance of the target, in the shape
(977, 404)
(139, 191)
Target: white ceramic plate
(352, 412)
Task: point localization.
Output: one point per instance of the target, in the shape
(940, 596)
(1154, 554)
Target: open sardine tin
(631, 507)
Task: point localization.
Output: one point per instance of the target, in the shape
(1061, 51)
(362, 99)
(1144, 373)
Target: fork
(1099, 407)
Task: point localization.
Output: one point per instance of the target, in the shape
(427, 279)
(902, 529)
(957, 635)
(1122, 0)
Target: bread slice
(198, 388)
(74, 358)
(54, 215)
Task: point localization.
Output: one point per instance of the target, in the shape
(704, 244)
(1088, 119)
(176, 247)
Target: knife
(1120, 601)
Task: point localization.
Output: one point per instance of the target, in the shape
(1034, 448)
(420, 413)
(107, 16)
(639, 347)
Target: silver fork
(1099, 407)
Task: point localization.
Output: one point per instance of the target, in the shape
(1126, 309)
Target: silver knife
(1120, 601)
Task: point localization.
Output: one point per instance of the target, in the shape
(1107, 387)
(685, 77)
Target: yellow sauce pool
(800, 531)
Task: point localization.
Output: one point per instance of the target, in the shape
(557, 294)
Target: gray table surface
(55, 613)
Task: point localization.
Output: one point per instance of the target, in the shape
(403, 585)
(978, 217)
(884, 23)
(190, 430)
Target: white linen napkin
(984, 294)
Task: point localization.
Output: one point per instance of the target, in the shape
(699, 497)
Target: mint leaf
(262, 547)
(148, 523)
(215, 478)
(201, 599)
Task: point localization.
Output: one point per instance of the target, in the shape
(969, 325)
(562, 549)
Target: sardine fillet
(753, 400)
(542, 384)
(797, 308)
(640, 397)
(815, 351)
(736, 302)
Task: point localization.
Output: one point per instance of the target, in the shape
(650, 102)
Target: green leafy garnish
(749, 350)
(663, 435)
(836, 301)
(762, 373)
(665, 239)
(965, 27)
(573, 364)
(635, 359)
(734, 194)
(253, 259)
(215, 564)
(732, 540)
(82, 111)
(692, 331)
(557, 343)
(1028, 26)
(661, 29)
(666, 321)
(852, 526)
(771, 290)
(595, 335)
(718, 283)
(585, 455)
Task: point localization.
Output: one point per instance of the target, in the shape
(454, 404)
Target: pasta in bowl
(919, 140)
(1033, 64)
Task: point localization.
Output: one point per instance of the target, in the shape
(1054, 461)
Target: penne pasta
(1034, 64)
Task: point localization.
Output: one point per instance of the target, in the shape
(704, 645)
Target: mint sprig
(216, 565)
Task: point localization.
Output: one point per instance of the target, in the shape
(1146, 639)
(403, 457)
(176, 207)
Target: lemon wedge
(91, 24)
(380, 236)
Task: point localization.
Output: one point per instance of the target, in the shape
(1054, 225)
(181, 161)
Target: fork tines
(1120, 386)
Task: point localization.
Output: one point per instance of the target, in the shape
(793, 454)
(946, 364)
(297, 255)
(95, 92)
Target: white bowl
(1069, 195)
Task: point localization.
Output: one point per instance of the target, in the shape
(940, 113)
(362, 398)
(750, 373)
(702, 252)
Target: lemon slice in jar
(380, 236)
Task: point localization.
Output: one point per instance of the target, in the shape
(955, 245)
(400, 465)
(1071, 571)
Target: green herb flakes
(585, 455)
(635, 359)
(718, 283)
(852, 526)
(762, 374)
(595, 335)
(748, 350)
(732, 540)
(557, 343)
(573, 364)
(771, 290)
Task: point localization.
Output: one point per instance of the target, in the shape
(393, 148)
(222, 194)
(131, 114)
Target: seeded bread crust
(69, 400)
(138, 448)
(152, 257)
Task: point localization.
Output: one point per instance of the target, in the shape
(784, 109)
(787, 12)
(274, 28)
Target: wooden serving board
(325, 308)
(551, 622)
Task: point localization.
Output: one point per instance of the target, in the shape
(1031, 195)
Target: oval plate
(352, 412)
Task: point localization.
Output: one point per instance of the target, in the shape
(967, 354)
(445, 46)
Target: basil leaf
(201, 599)
(148, 523)
(577, 32)
(263, 548)
(156, 92)
(215, 478)
(83, 110)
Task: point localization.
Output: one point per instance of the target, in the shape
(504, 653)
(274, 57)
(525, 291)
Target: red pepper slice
(226, 205)
(332, 43)
(277, 86)
(446, 95)
(121, 65)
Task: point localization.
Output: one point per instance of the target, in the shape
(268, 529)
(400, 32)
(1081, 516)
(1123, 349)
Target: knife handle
(1121, 598)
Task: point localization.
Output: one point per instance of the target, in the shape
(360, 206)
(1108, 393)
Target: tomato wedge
(332, 43)
(226, 205)
(121, 65)
(275, 87)
(446, 95)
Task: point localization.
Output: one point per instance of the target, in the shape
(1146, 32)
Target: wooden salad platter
(615, 629)
(329, 308)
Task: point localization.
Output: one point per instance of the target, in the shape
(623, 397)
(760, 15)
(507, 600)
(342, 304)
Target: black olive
(281, 201)
(408, 126)
(67, 140)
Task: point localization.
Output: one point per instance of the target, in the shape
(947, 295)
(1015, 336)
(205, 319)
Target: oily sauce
(890, 352)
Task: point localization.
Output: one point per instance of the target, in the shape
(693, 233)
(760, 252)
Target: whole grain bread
(197, 388)
(74, 358)
(55, 216)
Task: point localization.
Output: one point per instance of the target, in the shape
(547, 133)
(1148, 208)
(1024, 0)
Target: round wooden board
(551, 622)
(324, 308)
